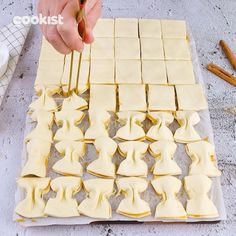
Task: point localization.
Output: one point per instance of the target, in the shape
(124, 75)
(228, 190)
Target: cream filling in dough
(169, 207)
(96, 204)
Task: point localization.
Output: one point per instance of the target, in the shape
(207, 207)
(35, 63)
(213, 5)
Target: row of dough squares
(156, 98)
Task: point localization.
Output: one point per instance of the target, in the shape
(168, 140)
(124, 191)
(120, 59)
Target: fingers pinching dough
(103, 166)
(132, 205)
(133, 165)
(96, 203)
(132, 129)
(199, 204)
(160, 130)
(163, 151)
(64, 205)
(203, 159)
(169, 207)
(186, 133)
(33, 205)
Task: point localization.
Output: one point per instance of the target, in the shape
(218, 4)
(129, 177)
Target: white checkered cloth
(14, 37)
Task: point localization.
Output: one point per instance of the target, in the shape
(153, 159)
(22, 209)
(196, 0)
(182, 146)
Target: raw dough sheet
(204, 128)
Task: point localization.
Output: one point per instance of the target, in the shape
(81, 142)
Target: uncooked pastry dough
(98, 125)
(96, 204)
(102, 71)
(169, 207)
(180, 72)
(149, 28)
(64, 205)
(161, 98)
(72, 152)
(103, 166)
(132, 97)
(133, 165)
(203, 159)
(133, 205)
(164, 151)
(191, 97)
(186, 133)
(128, 72)
(102, 48)
(33, 205)
(173, 29)
(132, 125)
(176, 49)
(126, 27)
(104, 28)
(102, 97)
(154, 72)
(160, 130)
(152, 48)
(199, 205)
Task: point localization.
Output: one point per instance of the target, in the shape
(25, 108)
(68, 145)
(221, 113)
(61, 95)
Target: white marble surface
(210, 21)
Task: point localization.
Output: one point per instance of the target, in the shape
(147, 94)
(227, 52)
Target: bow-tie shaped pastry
(133, 165)
(160, 130)
(199, 205)
(98, 125)
(103, 166)
(163, 151)
(132, 129)
(64, 205)
(33, 205)
(203, 159)
(72, 152)
(69, 119)
(169, 207)
(37, 158)
(186, 133)
(96, 203)
(132, 205)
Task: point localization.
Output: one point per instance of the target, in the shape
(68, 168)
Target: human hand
(67, 36)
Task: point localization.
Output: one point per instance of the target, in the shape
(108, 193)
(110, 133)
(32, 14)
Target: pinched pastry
(69, 119)
(72, 152)
(132, 129)
(37, 158)
(103, 166)
(169, 207)
(99, 121)
(64, 205)
(203, 159)
(160, 130)
(132, 205)
(133, 165)
(96, 203)
(163, 151)
(186, 133)
(199, 204)
(33, 205)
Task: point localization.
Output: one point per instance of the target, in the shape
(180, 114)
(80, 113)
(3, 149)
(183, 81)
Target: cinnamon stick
(229, 54)
(223, 74)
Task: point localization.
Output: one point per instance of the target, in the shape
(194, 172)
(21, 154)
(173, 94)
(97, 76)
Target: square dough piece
(102, 97)
(154, 72)
(180, 72)
(191, 97)
(161, 98)
(104, 28)
(176, 49)
(132, 97)
(126, 27)
(127, 48)
(152, 48)
(102, 48)
(128, 72)
(173, 29)
(149, 28)
(102, 71)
